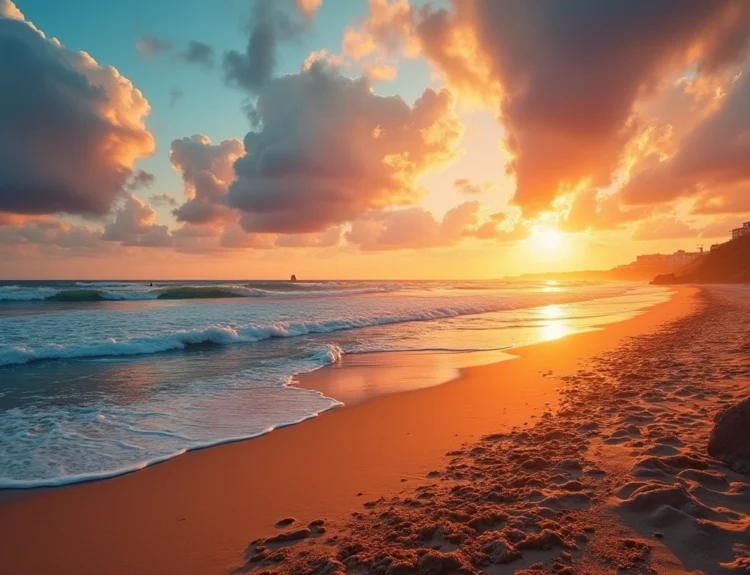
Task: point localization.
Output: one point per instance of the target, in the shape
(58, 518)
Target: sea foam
(221, 335)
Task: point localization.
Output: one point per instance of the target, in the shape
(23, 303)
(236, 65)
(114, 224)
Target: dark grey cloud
(141, 179)
(198, 53)
(71, 129)
(271, 22)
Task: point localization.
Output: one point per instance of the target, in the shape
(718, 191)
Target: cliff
(729, 263)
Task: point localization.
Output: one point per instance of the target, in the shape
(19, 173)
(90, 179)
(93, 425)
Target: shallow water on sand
(98, 379)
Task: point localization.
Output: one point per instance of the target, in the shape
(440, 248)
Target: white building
(663, 261)
(682, 258)
(743, 231)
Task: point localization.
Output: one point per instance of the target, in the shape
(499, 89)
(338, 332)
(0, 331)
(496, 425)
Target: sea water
(102, 378)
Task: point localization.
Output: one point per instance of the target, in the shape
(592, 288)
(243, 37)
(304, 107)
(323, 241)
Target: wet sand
(644, 468)
(199, 512)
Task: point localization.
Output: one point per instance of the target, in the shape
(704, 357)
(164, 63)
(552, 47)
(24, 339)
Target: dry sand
(618, 480)
(583, 490)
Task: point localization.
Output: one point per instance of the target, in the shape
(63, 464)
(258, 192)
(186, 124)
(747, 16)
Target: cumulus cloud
(711, 159)
(592, 210)
(328, 149)
(376, 40)
(331, 60)
(150, 46)
(722, 228)
(309, 7)
(209, 224)
(50, 233)
(730, 200)
(415, 227)
(9, 10)
(134, 226)
(664, 228)
(206, 172)
(233, 236)
(72, 129)
(328, 238)
(566, 76)
(198, 53)
(389, 26)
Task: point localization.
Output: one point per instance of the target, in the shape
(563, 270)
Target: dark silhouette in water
(294, 278)
(151, 284)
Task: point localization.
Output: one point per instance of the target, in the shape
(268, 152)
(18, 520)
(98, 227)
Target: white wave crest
(22, 293)
(221, 335)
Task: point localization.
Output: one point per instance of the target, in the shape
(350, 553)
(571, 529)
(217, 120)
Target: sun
(546, 238)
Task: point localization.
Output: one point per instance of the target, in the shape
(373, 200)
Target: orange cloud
(591, 210)
(664, 228)
(374, 42)
(566, 77)
(309, 7)
(415, 227)
(714, 158)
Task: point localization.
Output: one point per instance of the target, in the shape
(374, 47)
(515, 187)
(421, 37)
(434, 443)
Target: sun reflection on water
(554, 327)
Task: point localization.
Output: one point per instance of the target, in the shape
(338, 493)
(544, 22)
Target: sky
(367, 139)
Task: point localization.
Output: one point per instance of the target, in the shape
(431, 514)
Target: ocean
(103, 378)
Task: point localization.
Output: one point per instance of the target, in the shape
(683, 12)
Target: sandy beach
(583, 455)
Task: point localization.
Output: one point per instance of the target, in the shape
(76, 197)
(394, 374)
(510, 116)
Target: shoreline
(198, 512)
(645, 468)
(390, 371)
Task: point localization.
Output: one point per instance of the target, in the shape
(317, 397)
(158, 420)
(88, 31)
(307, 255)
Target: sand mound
(730, 438)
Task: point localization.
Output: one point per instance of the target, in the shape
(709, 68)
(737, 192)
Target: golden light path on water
(554, 327)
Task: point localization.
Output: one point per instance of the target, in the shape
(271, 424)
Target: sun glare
(547, 238)
(553, 326)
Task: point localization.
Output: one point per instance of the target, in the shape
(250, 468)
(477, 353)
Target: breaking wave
(222, 335)
(92, 292)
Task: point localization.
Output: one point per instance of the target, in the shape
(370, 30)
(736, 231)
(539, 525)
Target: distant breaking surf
(222, 335)
(90, 294)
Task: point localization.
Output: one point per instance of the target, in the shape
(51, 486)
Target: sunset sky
(367, 139)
